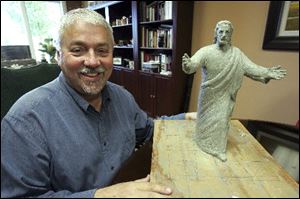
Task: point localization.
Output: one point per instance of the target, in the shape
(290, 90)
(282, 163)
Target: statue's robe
(222, 76)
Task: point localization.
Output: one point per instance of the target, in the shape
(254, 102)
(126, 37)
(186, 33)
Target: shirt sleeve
(25, 161)
(143, 126)
(180, 116)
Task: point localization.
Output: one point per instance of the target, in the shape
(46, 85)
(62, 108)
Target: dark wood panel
(130, 82)
(73, 5)
(146, 93)
(116, 76)
(164, 96)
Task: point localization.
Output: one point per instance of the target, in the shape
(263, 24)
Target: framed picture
(282, 29)
(117, 61)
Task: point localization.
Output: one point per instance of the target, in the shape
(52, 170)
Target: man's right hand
(141, 188)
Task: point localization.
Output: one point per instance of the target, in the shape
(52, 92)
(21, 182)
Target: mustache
(86, 70)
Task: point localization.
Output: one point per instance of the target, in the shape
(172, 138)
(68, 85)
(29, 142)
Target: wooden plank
(250, 171)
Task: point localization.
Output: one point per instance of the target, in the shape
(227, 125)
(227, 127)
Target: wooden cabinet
(130, 80)
(157, 95)
(126, 78)
(116, 76)
(164, 96)
(146, 92)
(151, 37)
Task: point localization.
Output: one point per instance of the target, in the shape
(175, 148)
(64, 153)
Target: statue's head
(223, 32)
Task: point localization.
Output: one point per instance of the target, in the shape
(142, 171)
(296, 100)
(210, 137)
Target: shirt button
(104, 143)
(112, 168)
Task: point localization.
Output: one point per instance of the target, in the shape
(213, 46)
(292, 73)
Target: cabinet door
(164, 97)
(146, 88)
(116, 76)
(130, 82)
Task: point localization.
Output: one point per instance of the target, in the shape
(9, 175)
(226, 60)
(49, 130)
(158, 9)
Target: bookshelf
(151, 37)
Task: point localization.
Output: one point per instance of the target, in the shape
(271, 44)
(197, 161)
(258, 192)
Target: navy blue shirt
(54, 144)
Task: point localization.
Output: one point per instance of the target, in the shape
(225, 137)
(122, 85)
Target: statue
(223, 67)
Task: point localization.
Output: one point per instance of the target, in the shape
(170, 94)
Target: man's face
(224, 35)
(86, 50)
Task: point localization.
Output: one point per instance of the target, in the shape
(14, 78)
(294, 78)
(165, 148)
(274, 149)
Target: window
(12, 24)
(29, 23)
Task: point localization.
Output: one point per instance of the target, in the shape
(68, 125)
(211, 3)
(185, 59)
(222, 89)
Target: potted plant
(48, 47)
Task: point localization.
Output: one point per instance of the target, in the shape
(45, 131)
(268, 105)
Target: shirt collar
(82, 103)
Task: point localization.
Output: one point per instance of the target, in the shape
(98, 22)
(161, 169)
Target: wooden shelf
(123, 47)
(122, 26)
(148, 48)
(168, 21)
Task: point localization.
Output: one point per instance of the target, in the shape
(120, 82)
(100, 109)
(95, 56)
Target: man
(223, 68)
(69, 137)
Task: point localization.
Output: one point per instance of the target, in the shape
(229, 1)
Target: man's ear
(58, 57)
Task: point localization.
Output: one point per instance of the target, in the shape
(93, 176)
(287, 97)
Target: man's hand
(141, 188)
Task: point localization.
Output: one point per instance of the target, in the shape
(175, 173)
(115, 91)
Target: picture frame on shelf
(282, 29)
(117, 61)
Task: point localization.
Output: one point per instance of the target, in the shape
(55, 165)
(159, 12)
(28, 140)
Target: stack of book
(160, 37)
(156, 10)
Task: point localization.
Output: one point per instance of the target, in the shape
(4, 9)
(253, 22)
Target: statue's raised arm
(186, 63)
(187, 66)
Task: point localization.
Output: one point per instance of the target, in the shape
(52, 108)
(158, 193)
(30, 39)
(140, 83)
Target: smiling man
(85, 58)
(70, 137)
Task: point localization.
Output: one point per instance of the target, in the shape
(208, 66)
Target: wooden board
(250, 171)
